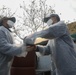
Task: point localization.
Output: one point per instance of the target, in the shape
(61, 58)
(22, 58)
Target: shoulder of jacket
(3, 29)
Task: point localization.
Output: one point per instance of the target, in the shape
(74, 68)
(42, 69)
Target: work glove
(29, 41)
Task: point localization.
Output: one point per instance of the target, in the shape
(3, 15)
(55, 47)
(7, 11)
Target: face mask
(49, 22)
(10, 23)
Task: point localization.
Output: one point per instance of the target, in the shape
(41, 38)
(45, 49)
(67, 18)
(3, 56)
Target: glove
(24, 51)
(29, 41)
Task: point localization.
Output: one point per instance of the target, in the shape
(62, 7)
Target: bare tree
(33, 15)
(5, 11)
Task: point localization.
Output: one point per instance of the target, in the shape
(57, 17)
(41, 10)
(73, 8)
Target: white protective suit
(60, 46)
(8, 50)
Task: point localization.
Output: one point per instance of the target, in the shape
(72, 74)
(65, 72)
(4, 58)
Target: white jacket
(7, 50)
(60, 46)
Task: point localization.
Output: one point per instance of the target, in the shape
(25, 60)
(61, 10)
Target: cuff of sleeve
(37, 49)
(22, 54)
(24, 51)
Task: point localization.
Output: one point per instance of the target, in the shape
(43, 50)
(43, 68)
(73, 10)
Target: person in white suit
(60, 45)
(7, 47)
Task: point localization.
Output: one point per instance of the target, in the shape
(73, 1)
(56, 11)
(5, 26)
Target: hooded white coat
(60, 46)
(7, 51)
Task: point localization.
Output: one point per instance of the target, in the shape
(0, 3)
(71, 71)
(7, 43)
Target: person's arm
(26, 50)
(7, 48)
(44, 50)
(54, 31)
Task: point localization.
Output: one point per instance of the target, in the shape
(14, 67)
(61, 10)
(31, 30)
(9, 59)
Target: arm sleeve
(44, 50)
(7, 48)
(53, 32)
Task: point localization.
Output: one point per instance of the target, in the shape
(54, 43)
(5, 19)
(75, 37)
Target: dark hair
(45, 19)
(7, 18)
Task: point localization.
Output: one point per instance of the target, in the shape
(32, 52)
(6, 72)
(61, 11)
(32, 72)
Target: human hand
(30, 48)
(28, 41)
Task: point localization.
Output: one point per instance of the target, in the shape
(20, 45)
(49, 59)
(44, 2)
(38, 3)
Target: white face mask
(10, 23)
(49, 22)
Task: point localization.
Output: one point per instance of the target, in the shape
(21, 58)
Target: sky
(67, 8)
